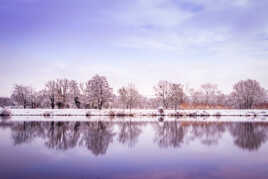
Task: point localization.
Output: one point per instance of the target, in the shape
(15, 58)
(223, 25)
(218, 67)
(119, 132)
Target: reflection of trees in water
(97, 137)
(129, 132)
(208, 133)
(5, 124)
(62, 135)
(249, 136)
(169, 134)
(174, 134)
(25, 132)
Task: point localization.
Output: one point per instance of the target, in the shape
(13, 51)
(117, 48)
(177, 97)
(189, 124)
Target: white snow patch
(138, 115)
(136, 112)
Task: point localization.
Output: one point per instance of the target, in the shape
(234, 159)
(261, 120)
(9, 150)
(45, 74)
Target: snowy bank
(137, 119)
(134, 113)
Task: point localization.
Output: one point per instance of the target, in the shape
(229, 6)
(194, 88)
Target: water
(128, 150)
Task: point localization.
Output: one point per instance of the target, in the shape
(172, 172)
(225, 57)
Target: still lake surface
(130, 150)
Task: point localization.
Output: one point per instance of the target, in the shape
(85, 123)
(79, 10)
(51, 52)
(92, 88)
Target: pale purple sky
(135, 41)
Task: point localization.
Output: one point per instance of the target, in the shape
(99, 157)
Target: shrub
(88, 114)
(120, 114)
(47, 114)
(218, 114)
(177, 114)
(130, 114)
(161, 111)
(5, 114)
(204, 113)
(153, 114)
(111, 113)
(123, 114)
(193, 114)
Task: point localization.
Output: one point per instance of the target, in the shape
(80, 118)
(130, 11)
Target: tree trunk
(24, 104)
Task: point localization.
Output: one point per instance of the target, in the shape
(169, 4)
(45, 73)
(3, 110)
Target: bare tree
(21, 95)
(162, 91)
(123, 96)
(221, 99)
(247, 93)
(196, 97)
(35, 98)
(210, 92)
(75, 93)
(51, 92)
(62, 88)
(83, 99)
(129, 96)
(176, 94)
(208, 96)
(98, 91)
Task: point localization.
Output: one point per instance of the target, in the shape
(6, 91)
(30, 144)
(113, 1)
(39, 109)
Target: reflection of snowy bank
(97, 136)
(135, 113)
(141, 119)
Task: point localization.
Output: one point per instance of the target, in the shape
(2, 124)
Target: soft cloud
(156, 14)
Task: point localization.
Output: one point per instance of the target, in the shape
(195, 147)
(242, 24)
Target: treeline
(96, 93)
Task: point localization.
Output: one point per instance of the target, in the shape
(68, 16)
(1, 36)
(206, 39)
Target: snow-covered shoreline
(134, 112)
(137, 119)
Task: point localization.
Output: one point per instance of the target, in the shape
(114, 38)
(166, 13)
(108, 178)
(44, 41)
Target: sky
(133, 41)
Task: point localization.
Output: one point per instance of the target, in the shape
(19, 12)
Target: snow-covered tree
(207, 96)
(98, 91)
(247, 93)
(62, 89)
(210, 92)
(162, 91)
(51, 92)
(38, 99)
(123, 96)
(222, 100)
(42, 100)
(84, 99)
(21, 95)
(176, 94)
(195, 97)
(75, 94)
(33, 98)
(129, 96)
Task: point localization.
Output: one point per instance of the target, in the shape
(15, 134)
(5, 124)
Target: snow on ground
(135, 112)
(139, 119)
(137, 115)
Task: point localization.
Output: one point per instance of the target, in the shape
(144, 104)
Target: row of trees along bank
(96, 93)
